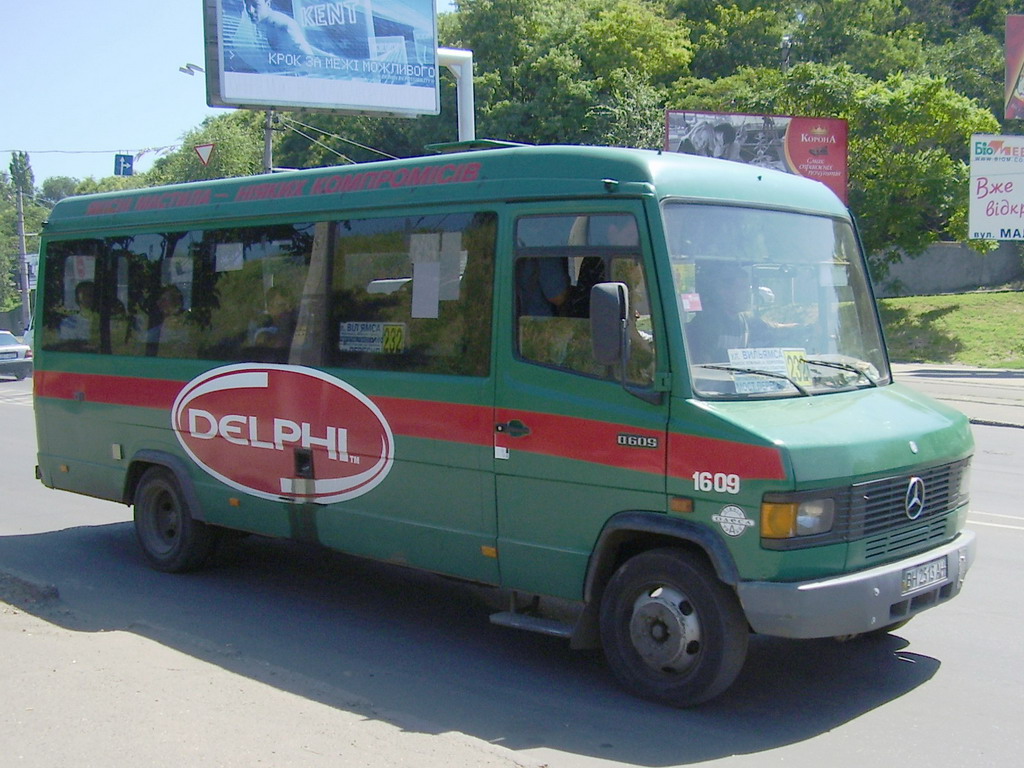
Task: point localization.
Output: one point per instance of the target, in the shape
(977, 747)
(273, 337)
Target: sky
(85, 81)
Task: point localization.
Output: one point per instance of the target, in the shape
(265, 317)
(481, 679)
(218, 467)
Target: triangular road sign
(204, 151)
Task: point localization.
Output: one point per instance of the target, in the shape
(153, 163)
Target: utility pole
(26, 310)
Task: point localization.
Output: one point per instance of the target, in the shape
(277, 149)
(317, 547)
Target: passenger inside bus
(80, 324)
(542, 286)
(172, 328)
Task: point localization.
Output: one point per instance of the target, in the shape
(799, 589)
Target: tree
(56, 188)
(21, 173)
(875, 37)
(238, 140)
(572, 66)
(21, 180)
(729, 36)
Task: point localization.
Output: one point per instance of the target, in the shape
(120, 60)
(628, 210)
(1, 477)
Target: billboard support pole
(460, 64)
(268, 142)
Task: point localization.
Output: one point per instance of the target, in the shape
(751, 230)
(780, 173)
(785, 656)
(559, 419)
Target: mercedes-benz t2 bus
(649, 387)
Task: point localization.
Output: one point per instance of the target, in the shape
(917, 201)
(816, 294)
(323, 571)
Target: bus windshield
(773, 303)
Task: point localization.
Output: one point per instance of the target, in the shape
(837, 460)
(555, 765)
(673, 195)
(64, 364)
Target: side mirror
(609, 311)
(609, 334)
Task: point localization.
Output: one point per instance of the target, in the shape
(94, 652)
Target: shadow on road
(417, 650)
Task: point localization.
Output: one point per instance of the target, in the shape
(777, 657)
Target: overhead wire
(285, 119)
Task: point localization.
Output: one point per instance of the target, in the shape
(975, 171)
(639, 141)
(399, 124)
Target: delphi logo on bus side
(244, 423)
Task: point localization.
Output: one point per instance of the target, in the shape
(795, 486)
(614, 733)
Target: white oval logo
(284, 432)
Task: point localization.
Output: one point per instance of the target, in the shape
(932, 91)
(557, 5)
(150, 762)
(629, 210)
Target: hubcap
(665, 630)
(165, 521)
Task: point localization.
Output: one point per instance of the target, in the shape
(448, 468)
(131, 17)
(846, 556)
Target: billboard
(1013, 85)
(996, 210)
(354, 56)
(814, 147)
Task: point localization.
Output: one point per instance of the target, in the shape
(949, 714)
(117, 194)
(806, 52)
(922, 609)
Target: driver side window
(558, 260)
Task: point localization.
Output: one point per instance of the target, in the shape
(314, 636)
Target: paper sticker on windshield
(733, 521)
(784, 363)
(375, 338)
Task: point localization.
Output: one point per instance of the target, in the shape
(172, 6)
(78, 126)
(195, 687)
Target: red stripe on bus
(692, 453)
(454, 422)
(568, 437)
(411, 418)
(549, 434)
(109, 390)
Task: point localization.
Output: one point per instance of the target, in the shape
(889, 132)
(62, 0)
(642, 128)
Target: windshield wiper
(841, 367)
(757, 372)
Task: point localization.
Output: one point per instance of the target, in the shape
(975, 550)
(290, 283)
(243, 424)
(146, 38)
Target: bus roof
(508, 173)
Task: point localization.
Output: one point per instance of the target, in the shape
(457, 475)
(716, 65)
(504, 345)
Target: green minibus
(644, 395)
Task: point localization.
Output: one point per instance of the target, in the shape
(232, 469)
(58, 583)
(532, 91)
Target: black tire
(671, 631)
(172, 540)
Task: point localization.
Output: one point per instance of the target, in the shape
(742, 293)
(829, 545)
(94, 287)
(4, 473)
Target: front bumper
(857, 602)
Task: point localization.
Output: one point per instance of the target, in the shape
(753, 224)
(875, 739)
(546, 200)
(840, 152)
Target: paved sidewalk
(991, 396)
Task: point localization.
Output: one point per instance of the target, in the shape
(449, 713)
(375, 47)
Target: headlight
(965, 484)
(789, 519)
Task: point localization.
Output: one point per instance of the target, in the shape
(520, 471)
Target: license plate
(920, 576)
(8, 355)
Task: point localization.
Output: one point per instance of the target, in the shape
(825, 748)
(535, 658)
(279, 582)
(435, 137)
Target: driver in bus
(724, 321)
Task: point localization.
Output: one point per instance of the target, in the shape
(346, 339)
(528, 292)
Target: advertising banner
(1013, 87)
(814, 147)
(354, 55)
(997, 188)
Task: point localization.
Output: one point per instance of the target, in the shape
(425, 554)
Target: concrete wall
(953, 268)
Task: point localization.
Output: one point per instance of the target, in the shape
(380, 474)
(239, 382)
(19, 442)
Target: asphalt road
(282, 654)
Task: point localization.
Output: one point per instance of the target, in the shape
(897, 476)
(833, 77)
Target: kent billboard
(815, 147)
(364, 56)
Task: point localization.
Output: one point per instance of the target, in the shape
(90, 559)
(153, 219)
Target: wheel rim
(162, 520)
(665, 630)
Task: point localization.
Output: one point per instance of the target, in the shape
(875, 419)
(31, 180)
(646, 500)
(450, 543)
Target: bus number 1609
(719, 482)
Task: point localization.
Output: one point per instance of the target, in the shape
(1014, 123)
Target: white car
(15, 357)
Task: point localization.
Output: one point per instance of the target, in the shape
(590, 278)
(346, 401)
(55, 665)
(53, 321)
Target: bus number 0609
(719, 482)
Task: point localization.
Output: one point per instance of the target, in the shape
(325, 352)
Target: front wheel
(172, 540)
(671, 631)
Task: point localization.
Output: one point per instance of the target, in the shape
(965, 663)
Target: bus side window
(413, 293)
(71, 320)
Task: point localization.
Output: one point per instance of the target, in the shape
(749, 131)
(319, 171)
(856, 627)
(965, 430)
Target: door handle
(513, 428)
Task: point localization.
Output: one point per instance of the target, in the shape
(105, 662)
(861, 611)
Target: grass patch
(980, 329)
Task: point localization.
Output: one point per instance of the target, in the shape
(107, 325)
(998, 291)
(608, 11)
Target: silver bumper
(853, 603)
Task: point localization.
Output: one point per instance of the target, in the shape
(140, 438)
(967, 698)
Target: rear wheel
(671, 631)
(171, 538)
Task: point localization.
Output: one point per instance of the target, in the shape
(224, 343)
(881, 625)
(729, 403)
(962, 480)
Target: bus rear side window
(413, 294)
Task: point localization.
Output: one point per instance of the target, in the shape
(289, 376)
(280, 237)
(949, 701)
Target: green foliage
(21, 173)
(56, 188)
(980, 329)
(238, 150)
(908, 162)
(729, 37)
(875, 37)
(10, 246)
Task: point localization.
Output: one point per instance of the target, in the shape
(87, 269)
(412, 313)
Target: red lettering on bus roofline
(415, 176)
